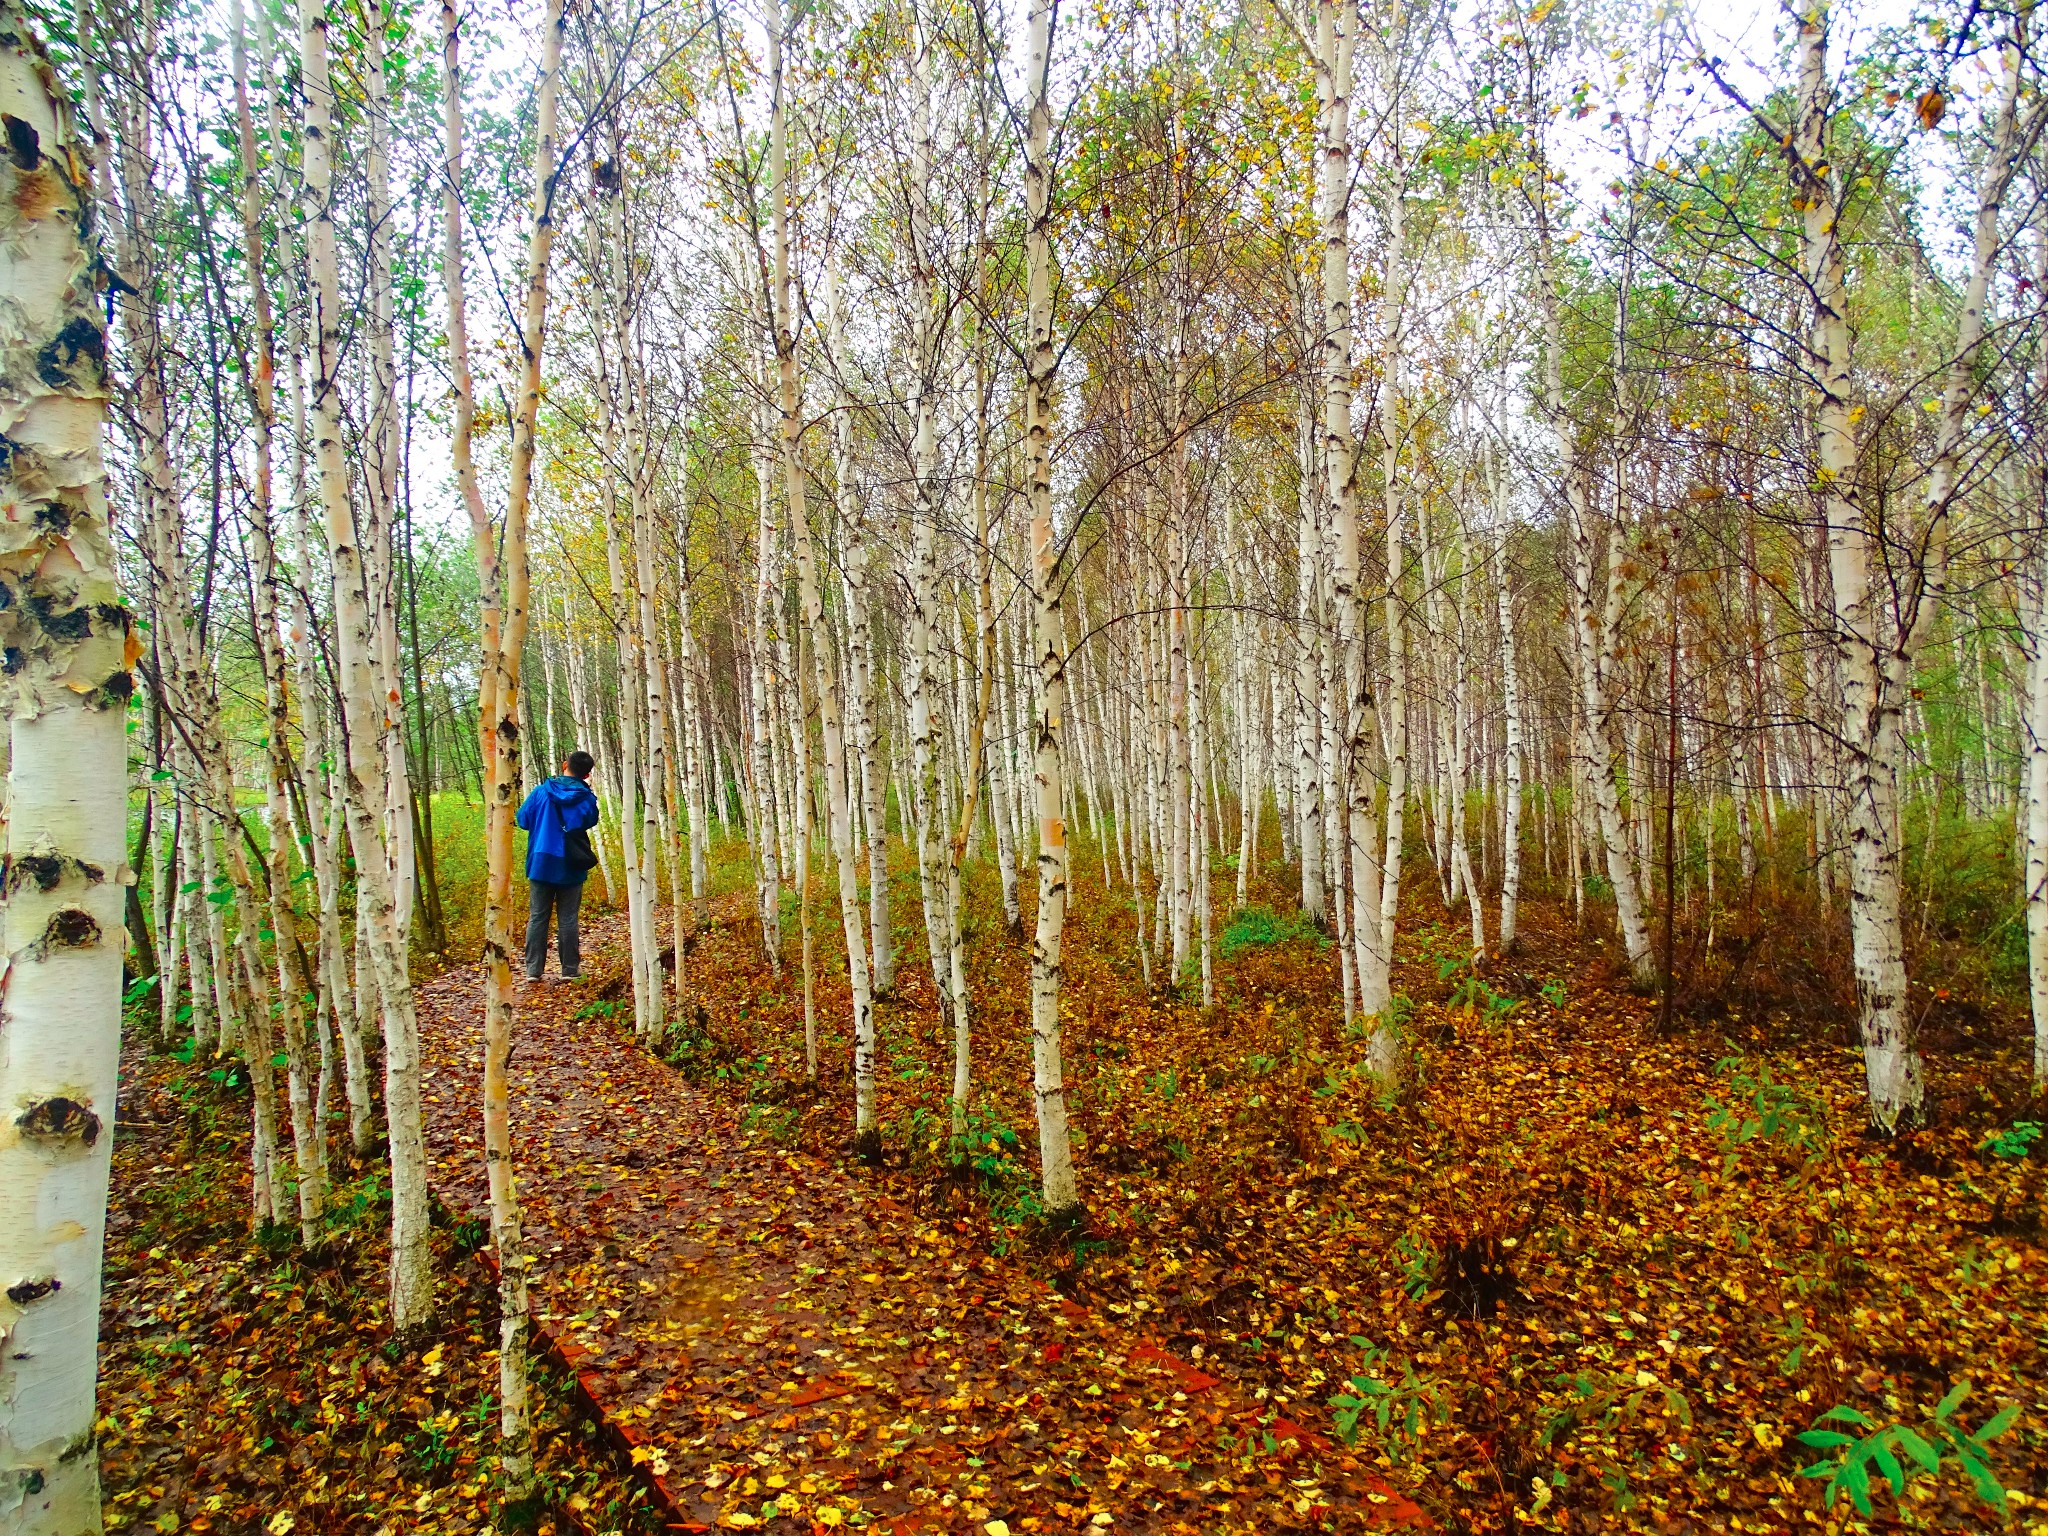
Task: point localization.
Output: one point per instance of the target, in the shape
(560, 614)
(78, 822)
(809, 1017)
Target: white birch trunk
(1060, 1194)
(378, 913)
(65, 703)
(1511, 704)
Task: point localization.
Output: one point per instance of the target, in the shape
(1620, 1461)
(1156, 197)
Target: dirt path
(788, 1348)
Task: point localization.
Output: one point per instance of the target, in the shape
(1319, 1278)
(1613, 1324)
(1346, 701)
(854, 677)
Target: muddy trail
(781, 1343)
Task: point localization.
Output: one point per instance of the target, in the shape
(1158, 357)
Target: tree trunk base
(867, 1147)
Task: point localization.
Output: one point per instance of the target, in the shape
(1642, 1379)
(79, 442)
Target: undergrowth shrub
(1261, 927)
(689, 1045)
(1604, 1408)
(1404, 1411)
(1787, 1116)
(1899, 1452)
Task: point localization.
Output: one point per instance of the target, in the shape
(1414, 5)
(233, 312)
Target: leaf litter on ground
(1576, 1276)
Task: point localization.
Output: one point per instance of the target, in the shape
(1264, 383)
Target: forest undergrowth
(248, 1386)
(1579, 1275)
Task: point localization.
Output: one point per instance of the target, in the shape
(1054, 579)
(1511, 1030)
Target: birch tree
(66, 706)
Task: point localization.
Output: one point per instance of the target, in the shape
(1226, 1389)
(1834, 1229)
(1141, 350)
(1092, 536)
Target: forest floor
(1593, 1276)
(247, 1386)
(1579, 1275)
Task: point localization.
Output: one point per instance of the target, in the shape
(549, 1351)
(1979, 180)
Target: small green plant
(1396, 1015)
(1471, 994)
(1793, 1335)
(1899, 1452)
(1012, 1209)
(431, 1448)
(1615, 1481)
(990, 1146)
(600, 1009)
(1976, 1267)
(1261, 927)
(1404, 1411)
(1765, 1110)
(2015, 1142)
(1419, 1263)
(778, 1122)
(1611, 1400)
(1166, 1084)
(688, 1045)
(1554, 993)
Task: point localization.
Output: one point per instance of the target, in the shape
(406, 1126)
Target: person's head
(578, 765)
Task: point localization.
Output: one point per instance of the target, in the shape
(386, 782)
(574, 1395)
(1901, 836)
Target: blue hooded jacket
(557, 807)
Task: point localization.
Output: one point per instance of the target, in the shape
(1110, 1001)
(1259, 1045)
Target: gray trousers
(562, 901)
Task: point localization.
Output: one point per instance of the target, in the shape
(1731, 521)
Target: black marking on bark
(24, 144)
(116, 690)
(8, 449)
(55, 516)
(59, 1121)
(70, 928)
(12, 660)
(46, 869)
(22, 1292)
(65, 624)
(57, 363)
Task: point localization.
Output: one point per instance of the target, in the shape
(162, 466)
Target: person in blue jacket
(557, 817)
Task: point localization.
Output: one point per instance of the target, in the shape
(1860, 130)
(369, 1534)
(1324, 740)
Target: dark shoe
(572, 975)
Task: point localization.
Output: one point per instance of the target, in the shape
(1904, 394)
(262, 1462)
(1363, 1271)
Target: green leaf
(1997, 1424)
(1843, 1414)
(1988, 1487)
(1888, 1464)
(1911, 1443)
(1949, 1404)
(1857, 1481)
(1825, 1439)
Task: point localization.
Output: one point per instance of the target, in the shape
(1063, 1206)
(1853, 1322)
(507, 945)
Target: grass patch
(1261, 927)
